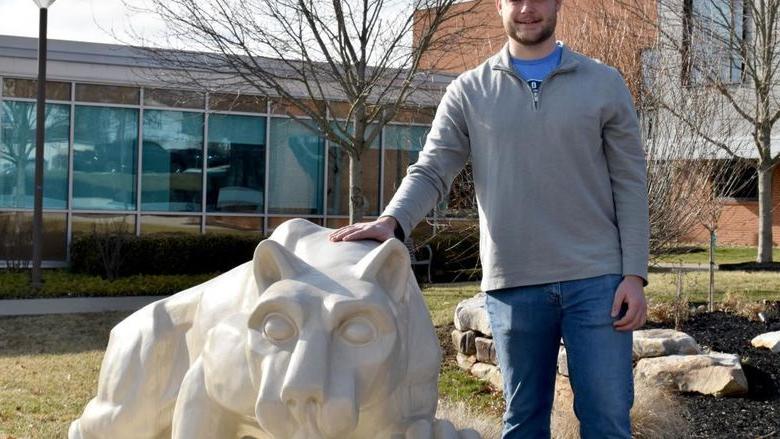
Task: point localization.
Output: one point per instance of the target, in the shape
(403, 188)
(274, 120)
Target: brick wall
(738, 224)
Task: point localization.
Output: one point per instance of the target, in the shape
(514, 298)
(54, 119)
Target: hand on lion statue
(310, 339)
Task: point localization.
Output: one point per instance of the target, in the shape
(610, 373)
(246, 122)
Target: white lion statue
(311, 339)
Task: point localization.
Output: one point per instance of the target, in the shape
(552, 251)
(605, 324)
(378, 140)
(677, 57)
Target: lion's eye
(358, 331)
(278, 328)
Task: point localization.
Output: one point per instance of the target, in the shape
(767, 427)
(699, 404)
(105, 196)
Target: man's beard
(547, 31)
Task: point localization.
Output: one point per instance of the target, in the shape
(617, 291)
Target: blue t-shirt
(534, 71)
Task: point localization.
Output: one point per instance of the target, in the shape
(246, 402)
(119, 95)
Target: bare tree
(349, 67)
(727, 52)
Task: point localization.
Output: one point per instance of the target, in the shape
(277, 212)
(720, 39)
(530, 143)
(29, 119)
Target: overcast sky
(78, 20)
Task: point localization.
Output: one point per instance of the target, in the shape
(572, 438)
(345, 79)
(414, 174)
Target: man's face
(529, 22)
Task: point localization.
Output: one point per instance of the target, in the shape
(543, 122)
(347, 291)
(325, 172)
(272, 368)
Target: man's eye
(358, 331)
(278, 328)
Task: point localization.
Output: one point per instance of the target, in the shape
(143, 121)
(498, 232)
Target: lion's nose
(305, 380)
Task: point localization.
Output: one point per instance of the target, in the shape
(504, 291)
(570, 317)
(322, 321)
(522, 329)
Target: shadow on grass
(56, 333)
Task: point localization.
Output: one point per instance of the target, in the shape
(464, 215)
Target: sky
(75, 20)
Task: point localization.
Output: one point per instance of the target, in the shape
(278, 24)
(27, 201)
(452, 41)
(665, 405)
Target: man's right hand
(381, 230)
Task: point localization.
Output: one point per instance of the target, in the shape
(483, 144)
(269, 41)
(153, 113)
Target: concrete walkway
(668, 266)
(74, 305)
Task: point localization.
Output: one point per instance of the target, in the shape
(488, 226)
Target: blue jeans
(527, 324)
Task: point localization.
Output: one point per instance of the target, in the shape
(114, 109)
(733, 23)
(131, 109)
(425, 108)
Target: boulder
(464, 342)
(486, 350)
(471, 314)
(489, 373)
(769, 340)
(650, 343)
(563, 362)
(465, 362)
(711, 374)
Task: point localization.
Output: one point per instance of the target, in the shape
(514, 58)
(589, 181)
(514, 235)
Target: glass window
(108, 94)
(172, 161)
(276, 221)
(281, 106)
(84, 223)
(402, 147)
(235, 102)
(151, 224)
(235, 225)
(28, 88)
(296, 168)
(338, 179)
(16, 237)
(713, 39)
(236, 164)
(104, 158)
(17, 155)
(160, 97)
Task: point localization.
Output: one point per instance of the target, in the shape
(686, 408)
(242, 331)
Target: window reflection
(250, 226)
(236, 164)
(402, 148)
(109, 94)
(16, 236)
(28, 88)
(172, 161)
(152, 224)
(296, 168)
(104, 158)
(338, 178)
(86, 223)
(17, 155)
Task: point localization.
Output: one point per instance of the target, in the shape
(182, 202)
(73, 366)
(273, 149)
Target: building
(121, 149)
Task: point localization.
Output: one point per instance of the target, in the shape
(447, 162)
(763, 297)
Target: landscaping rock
(650, 343)
(563, 362)
(464, 342)
(486, 350)
(471, 314)
(769, 340)
(465, 362)
(715, 373)
(489, 373)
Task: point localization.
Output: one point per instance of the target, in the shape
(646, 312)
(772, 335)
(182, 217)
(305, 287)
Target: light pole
(40, 123)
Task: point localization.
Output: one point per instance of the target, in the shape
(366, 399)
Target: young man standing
(559, 174)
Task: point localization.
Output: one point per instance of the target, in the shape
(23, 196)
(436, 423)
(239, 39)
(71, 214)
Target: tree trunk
(357, 202)
(764, 214)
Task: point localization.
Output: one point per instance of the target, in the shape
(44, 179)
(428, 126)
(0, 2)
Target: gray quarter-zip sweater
(560, 184)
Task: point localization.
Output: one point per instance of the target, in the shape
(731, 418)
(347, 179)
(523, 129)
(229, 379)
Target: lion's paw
(439, 429)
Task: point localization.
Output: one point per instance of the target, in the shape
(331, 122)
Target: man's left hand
(631, 293)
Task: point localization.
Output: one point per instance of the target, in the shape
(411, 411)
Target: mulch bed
(756, 415)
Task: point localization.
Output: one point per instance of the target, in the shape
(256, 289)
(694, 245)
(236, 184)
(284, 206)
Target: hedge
(162, 254)
(59, 283)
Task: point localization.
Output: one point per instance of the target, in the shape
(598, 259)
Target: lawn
(49, 367)
(699, 254)
(49, 364)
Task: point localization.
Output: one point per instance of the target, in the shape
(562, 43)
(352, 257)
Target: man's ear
(389, 266)
(498, 6)
(272, 263)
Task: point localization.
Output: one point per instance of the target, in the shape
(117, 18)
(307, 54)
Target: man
(559, 174)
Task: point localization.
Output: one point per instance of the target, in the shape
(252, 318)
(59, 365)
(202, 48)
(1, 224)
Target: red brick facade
(738, 223)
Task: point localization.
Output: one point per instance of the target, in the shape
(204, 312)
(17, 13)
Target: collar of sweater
(503, 60)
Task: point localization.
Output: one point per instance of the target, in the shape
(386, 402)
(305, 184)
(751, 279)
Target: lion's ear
(389, 266)
(272, 263)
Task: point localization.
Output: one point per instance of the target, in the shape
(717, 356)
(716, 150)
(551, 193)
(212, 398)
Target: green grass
(61, 283)
(442, 299)
(48, 371)
(750, 287)
(723, 255)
